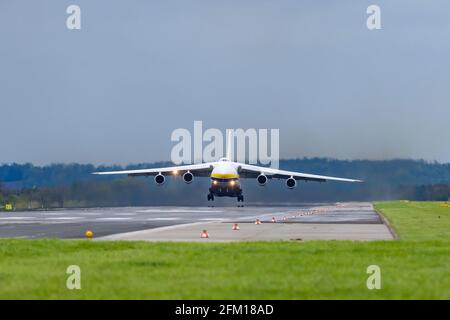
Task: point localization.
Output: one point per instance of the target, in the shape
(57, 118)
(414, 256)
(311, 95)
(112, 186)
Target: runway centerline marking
(112, 219)
(179, 211)
(17, 218)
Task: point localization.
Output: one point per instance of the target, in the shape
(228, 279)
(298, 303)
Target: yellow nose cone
(89, 234)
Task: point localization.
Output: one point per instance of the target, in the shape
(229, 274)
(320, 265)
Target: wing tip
(98, 173)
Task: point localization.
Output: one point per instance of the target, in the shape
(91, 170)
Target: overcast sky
(114, 91)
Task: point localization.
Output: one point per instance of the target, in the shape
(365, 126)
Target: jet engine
(262, 179)
(291, 183)
(188, 177)
(160, 179)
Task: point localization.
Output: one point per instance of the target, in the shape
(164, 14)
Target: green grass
(35, 269)
(417, 220)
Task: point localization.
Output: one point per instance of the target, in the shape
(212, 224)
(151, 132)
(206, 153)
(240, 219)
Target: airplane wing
(250, 171)
(199, 170)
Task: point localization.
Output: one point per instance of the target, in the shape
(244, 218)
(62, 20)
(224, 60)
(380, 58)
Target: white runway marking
(163, 219)
(63, 218)
(17, 218)
(91, 213)
(179, 211)
(52, 213)
(112, 219)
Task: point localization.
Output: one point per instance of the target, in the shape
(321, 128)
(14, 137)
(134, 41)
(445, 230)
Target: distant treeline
(72, 185)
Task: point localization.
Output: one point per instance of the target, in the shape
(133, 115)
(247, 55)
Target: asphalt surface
(72, 223)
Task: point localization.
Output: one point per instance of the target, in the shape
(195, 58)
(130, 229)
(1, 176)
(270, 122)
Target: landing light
(175, 172)
(215, 182)
(232, 182)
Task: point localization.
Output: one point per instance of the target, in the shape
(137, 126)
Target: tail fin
(229, 144)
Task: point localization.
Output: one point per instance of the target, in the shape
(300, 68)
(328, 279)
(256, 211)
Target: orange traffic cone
(235, 226)
(204, 234)
(258, 221)
(273, 219)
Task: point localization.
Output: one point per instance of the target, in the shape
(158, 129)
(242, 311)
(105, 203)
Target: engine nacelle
(160, 179)
(188, 177)
(262, 179)
(291, 183)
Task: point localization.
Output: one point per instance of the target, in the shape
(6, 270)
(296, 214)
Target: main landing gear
(240, 198)
(210, 198)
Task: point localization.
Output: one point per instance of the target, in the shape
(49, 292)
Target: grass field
(417, 266)
(417, 220)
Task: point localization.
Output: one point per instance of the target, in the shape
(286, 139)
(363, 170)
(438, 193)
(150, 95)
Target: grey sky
(114, 91)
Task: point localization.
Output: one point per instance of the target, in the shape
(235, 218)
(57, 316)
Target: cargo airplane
(225, 175)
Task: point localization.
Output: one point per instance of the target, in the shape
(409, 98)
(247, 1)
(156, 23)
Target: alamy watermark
(73, 21)
(74, 279)
(253, 146)
(373, 22)
(374, 280)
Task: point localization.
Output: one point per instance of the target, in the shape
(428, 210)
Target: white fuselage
(225, 180)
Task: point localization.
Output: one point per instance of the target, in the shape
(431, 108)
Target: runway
(354, 221)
